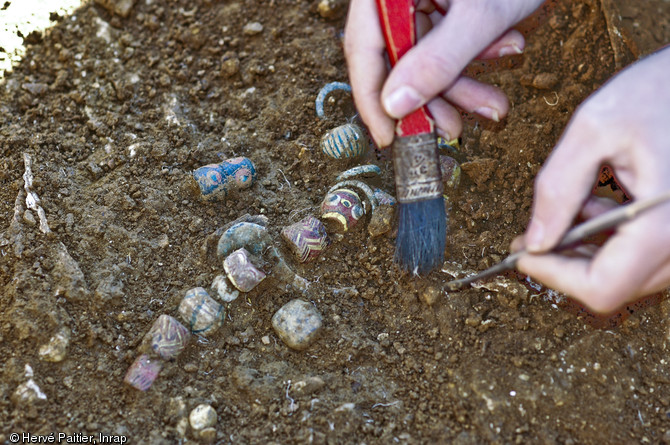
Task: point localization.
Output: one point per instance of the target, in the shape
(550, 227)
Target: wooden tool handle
(398, 25)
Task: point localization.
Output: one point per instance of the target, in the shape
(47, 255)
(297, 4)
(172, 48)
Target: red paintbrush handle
(398, 26)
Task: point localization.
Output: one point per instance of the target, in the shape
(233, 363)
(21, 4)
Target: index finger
(628, 266)
(364, 48)
(437, 60)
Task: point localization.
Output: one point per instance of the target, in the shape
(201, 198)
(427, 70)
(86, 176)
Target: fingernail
(517, 244)
(489, 113)
(509, 50)
(444, 135)
(381, 142)
(402, 101)
(535, 236)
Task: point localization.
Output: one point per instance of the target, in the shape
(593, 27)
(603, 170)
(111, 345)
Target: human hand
(431, 71)
(625, 125)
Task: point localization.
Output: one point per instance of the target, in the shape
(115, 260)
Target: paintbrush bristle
(422, 234)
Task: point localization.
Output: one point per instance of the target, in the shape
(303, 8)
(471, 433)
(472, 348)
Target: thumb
(563, 185)
(438, 59)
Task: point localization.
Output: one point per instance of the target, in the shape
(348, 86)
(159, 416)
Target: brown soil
(121, 110)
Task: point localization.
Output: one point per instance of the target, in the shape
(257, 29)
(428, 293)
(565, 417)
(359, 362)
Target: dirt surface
(115, 113)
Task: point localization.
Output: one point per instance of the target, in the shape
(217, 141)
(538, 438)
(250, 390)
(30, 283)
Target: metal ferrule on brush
(417, 168)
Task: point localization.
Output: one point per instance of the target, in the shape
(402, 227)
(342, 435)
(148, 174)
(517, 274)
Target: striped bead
(307, 238)
(202, 314)
(345, 141)
(143, 372)
(167, 337)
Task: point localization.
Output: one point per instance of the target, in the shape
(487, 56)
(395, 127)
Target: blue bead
(217, 180)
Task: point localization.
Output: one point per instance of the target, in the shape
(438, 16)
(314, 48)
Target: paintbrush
(422, 220)
(573, 237)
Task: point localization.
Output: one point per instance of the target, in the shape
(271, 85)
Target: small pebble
(208, 435)
(545, 81)
(224, 290)
(381, 220)
(190, 367)
(230, 65)
(345, 407)
(203, 416)
(399, 347)
(109, 291)
(430, 294)
(120, 7)
(308, 386)
(252, 28)
(241, 272)
(297, 323)
(28, 393)
(327, 8)
(182, 427)
(473, 320)
(36, 89)
(176, 407)
(29, 217)
(480, 170)
(56, 349)
(346, 292)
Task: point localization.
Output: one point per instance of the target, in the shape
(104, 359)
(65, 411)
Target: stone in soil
(56, 349)
(223, 289)
(28, 393)
(252, 28)
(297, 323)
(201, 417)
(381, 220)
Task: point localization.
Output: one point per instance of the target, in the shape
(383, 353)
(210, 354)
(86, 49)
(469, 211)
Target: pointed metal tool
(593, 226)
